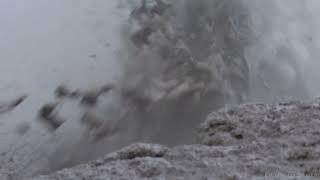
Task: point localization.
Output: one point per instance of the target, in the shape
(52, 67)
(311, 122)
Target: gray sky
(47, 42)
(44, 40)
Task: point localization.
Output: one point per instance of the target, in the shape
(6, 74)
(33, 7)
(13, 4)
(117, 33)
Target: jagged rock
(139, 150)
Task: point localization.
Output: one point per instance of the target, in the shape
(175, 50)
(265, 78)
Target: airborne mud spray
(181, 60)
(189, 57)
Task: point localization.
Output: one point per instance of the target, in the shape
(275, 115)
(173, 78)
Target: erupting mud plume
(182, 60)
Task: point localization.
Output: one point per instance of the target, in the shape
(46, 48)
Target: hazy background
(45, 43)
(294, 24)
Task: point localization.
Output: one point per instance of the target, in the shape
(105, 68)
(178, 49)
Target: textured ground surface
(252, 141)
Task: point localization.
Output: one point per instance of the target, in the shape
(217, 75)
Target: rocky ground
(251, 141)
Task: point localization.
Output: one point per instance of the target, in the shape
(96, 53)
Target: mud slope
(247, 142)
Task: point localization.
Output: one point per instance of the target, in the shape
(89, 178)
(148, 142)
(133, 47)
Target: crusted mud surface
(252, 141)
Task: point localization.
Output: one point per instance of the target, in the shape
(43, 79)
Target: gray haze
(45, 43)
(293, 24)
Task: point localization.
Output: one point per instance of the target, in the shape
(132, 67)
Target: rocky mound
(252, 141)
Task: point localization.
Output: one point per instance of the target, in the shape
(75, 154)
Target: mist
(293, 26)
(47, 43)
(86, 44)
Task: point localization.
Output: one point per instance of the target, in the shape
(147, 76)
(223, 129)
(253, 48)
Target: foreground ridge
(249, 141)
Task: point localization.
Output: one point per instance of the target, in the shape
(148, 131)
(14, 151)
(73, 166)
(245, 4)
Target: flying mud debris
(9, 106)
(49, 117)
